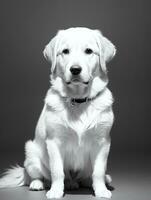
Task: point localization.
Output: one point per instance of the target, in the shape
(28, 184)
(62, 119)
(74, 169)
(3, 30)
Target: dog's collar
(79, 101)
(76, 101)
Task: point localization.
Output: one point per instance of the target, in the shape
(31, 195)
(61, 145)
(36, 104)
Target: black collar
(75, 101)
(79, 101)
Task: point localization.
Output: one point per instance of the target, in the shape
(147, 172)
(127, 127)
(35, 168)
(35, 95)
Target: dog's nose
(75, 70)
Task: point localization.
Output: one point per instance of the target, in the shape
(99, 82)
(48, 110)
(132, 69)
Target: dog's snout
(75, 70)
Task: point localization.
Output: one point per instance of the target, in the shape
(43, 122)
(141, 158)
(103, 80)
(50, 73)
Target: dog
(72, 136)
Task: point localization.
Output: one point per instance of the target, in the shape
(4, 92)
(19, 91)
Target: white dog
(72, 137)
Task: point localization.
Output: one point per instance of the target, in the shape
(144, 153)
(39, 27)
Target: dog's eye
(88, 51)
(65, 51)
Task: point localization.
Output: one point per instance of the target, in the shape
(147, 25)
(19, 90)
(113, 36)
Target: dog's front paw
(103, 193)
(36, 185)
(54, 193)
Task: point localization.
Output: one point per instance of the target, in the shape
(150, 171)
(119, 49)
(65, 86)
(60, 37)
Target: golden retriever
(72, 137)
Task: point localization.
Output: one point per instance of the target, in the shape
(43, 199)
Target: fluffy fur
(72, 140)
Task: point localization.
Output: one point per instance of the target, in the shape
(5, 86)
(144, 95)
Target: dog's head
(78, 56)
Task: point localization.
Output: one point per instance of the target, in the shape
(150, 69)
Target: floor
(131, 180)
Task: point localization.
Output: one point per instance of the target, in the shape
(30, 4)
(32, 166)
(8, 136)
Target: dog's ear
(50, 52)
(106, 49)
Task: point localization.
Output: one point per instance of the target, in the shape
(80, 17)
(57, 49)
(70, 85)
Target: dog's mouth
(77, 82)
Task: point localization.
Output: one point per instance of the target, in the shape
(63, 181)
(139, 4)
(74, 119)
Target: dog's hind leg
(34, 166)
(108, 179)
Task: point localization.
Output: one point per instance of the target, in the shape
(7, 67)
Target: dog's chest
(78, 128)
(80, 119)
(78, 138)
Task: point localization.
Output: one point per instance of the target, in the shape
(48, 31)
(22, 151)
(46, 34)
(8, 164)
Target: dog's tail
(14, 177)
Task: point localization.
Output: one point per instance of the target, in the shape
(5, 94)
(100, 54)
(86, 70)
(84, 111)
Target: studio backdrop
(27, 26)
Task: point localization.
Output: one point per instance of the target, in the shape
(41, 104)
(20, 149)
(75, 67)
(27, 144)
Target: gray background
(27, 26)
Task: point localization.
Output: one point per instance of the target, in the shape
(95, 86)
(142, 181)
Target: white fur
(15, 176)
(73, 137)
